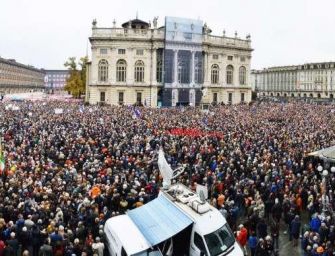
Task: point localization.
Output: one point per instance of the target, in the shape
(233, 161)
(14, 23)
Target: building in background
(180, 63)
(55, 80)
(16, 77)
(312, 80)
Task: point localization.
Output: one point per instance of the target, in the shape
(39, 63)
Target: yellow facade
(148, 95)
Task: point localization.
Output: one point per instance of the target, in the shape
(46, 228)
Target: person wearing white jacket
(98, 247)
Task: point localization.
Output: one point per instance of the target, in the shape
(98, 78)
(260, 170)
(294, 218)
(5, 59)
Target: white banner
(58, 111)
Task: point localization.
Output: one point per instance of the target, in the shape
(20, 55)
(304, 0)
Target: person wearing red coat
(242, 237)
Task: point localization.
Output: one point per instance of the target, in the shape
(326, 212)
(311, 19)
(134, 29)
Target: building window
(215, 57)
(103, 51)
(242, 96)
(168, 66)
(188, 36)
(102, 96)
(159, 75)
(139, 98)
(242, 75)
(215, 74)
(121, 98)
(230, 98)
(103, 70)
(184, 67)
(230, 57)
(121, 71)
(159, 66)
(242, 59)
(215, 97)
(139, 71)
(139, 52)
(121, 51)
(229, 74)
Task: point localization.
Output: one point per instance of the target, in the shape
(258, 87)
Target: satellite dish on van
(165, 169)
(202, 191)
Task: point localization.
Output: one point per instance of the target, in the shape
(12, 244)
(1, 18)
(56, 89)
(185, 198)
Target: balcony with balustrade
(127, 33)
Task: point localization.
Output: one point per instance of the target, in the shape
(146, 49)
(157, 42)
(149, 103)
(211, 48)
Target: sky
(44, 33)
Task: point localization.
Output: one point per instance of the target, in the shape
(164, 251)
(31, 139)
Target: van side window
(199, 242)
(123, 252)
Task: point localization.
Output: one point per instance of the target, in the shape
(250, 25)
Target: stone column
(175, 67)
(130, 80)
(206, 71)
(154, 66)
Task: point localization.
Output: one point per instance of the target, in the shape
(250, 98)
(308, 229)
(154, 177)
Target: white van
(178, 222)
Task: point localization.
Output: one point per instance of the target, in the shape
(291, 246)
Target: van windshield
(220, 240)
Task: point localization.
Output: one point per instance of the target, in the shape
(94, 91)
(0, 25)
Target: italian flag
(2, 163)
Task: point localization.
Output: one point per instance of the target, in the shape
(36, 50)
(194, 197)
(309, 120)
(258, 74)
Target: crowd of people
(67, 172)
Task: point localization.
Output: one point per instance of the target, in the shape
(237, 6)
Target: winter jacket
(242, 236)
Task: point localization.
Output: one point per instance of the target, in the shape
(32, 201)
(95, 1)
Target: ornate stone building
(16, 77)
(312, 80)
(179, 63)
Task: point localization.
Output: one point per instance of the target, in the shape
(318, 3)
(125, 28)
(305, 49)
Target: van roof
(204, 223)
(128, 234)
(159, 220)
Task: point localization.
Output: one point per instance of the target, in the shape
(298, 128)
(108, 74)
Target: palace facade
(312, 80)
(179, 63)
(16, 77)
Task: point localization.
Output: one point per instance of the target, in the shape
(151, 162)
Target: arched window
(242, 75)
(103, 70)
(229, 74)
(215, 74)
(139, 71)
(121, 71)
